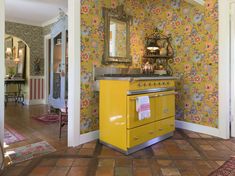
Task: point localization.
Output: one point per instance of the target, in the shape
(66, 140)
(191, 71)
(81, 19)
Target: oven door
(162, 105)
(132, 115)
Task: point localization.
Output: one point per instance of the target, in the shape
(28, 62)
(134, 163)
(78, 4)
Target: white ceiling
(34, 12)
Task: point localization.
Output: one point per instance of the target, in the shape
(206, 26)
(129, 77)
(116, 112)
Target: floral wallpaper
(92, 34)
(195, 41)
(33, 36)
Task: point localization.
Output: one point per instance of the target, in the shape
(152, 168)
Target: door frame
(232, 68)
(46, 67)
(73, 74)
(2, 68)
(224, 70)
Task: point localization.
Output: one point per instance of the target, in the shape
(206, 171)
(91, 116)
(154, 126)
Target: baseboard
(198, 128)
(36, 102)
(26, 101)
(87, 137)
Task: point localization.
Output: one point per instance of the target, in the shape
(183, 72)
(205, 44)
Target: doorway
(30, 125)
(74, 73)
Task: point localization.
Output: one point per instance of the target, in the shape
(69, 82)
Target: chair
(63, 118)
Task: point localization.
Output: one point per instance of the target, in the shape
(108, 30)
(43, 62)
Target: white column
(2, 72)
(2, 66)
(224, 69)
(232, 40)
(74, 72)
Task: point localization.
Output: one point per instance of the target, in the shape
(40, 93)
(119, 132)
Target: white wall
(74, 72)
(2, 69)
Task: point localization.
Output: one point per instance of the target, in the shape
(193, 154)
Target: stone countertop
(136, 78)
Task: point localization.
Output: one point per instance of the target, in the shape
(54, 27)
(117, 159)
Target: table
(18, 96)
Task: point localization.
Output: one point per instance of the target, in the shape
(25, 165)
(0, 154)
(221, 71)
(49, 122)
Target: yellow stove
(120, 127)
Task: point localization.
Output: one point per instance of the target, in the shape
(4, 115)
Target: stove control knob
(155, 83)
(140, 85)
(159, 83)
(144, 84)
(163, 83)
(150, 84)
(167, 83)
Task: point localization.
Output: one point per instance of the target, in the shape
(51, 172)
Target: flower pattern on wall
(195, 40)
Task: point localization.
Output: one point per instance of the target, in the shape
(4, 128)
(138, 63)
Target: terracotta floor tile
(73, 151)
(103, 171)
(207, 147)
(188, 172)
(77, 171)
(144, 171)
(48, 162)
(140, 163)
(160, 152)
(205, 136)
(203, 171)
(123, 171)
(123, 162)
(106, 163)
(15, 171)
(173, 157)
(90, 145)
(85, 151)
(184, 164)
(220, 163)
(170, 171)
(81, 162)
(25, 163)
(65, 162)
(59, 171)
(165, 163)
(108, 152)
(41, 171)
(192, 154)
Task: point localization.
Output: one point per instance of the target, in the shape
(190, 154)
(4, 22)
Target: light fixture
(16, 60)
(152, 47)
(58, 42)
(20, 52)
(8, 51)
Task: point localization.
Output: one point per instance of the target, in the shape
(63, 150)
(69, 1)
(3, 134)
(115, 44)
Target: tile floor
(185, 154)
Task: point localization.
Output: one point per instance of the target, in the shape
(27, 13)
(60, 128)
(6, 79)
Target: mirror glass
(16, 55)
(117, 38)
(57, 57)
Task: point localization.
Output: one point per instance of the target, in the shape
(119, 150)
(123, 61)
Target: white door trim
(46, 65)
(2, 67)
(224, 69)
(232, 69)
(74, 68)
(2, 72)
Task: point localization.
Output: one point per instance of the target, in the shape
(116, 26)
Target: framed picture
(21, 65)
(9, 48)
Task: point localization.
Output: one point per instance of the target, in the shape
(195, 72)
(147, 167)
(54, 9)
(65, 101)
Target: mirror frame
(22, 46)
(118, 14)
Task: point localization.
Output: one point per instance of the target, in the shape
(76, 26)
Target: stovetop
(132, 75)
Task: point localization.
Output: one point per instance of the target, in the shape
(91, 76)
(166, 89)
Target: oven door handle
(158, 95)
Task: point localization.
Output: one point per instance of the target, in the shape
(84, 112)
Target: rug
(30, 151)
(47, 118)
(227, 169)
(12, 136)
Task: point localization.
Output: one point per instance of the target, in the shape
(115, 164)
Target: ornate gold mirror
(117, 36)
